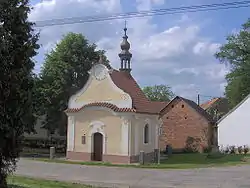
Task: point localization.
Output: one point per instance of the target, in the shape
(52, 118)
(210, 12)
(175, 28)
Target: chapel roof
(125, 81)
(140, 103)
(101, 104)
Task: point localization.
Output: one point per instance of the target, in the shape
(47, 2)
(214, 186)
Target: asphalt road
(223, 177)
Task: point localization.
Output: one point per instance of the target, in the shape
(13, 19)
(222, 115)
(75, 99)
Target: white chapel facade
(110, 119)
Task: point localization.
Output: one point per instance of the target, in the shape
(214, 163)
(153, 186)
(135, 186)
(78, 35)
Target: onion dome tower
(125, 55)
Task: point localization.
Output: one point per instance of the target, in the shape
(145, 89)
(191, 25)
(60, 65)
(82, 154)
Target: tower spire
(125, 55)
(125, 29)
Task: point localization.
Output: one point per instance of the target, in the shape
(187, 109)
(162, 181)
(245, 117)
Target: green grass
(23, 182)
(203, 160)
(177, 161)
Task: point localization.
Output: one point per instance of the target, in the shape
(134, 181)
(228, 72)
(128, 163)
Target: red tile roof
(102, 104)
(209, 103)
(140, 103)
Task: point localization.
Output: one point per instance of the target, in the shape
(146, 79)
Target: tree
(236, 54)
(158, 92)
(17, 47)
(64, 72)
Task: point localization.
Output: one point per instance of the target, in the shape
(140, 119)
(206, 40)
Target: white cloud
(203, 48)
(186, 70)
(176, 55)
(143, 5)
(216, 72)
(188, 90)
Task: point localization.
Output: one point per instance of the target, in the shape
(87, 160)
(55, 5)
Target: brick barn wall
(180, 121)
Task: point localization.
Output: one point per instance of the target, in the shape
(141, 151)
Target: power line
(177, 10)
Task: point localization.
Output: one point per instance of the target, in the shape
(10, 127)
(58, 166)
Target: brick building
(184, 120)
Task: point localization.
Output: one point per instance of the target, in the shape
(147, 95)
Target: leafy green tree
(236, 54)
(64, 72)
(17, 47)
(158, 92)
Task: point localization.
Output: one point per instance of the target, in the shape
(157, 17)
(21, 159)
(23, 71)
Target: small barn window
(146, 134)
(84, 139)
(172, 106)
(182, 106)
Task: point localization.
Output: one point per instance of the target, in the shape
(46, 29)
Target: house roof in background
(193, 105)
(209, 103)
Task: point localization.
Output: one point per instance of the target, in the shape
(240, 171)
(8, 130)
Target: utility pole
(198, 99)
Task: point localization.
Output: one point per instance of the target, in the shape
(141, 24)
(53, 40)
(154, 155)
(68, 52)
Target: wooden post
(52, 153)
(141, 158)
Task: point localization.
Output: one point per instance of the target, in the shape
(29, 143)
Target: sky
(175, 50)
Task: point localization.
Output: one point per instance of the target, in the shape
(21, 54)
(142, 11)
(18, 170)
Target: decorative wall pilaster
(71, 133)
(136, 138)
(125, 131)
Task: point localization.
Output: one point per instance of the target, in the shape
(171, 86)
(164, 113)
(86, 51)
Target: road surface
(226, 177)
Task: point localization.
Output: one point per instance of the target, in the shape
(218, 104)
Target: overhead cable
(177, 10)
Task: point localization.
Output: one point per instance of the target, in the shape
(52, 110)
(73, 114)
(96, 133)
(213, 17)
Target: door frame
(96, 126)
(94, 145)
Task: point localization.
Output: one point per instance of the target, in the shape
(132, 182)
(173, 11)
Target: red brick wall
(181, 121)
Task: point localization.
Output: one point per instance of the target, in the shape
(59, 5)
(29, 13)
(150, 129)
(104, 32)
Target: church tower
(125, 55)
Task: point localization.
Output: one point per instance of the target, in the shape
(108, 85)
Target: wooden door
(98, 146)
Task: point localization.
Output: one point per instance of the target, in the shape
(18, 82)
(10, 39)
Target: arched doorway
(97, 146)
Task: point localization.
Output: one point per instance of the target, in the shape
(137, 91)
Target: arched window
(146, 134)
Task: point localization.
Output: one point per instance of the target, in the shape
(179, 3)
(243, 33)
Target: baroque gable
(100, 88)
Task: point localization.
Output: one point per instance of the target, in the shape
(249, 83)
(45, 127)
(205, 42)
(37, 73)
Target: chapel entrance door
(98, 146)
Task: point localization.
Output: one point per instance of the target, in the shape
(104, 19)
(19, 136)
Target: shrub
(227, 150)
(232, 149)
(216, 155)
(45, 143)
(192, 145)
(240, 149)
(207, 149)
(222, 149)
(246, 149)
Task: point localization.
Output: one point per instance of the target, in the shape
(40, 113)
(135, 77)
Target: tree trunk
(3, 180)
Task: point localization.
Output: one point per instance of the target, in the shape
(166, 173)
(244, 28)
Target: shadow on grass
(15, 186)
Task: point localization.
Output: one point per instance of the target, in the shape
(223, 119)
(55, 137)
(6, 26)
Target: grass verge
(23, 182)
(177, 161)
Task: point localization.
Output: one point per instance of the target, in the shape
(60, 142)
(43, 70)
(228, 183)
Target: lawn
(176, 161)
(23, 182)
(182, 161)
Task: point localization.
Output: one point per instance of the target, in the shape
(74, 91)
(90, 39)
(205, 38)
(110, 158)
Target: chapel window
(146, 134)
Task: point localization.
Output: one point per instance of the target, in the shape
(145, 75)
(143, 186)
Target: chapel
(110, 119)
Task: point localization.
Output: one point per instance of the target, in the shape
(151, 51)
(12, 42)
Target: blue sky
(176, 50)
